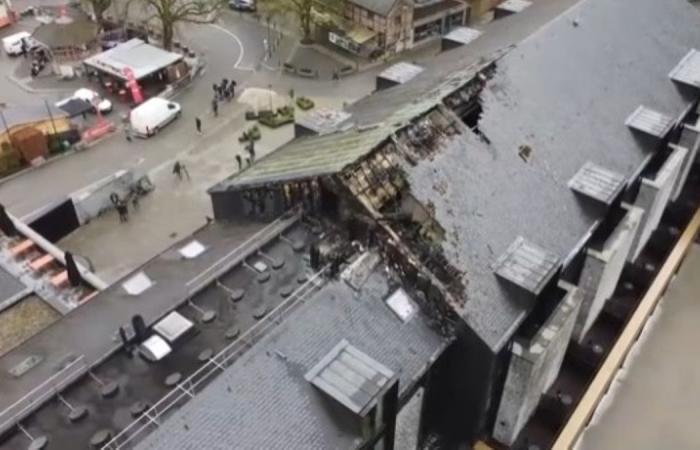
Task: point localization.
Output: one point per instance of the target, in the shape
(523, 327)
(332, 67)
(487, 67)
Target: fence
(43, 392)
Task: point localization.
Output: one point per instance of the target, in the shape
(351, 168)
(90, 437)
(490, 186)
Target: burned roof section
(457, 163)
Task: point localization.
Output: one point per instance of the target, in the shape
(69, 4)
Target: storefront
(359, 41)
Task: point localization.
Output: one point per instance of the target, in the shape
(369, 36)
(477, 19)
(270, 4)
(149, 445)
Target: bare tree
(171, 12)
(97, 8)
(304, 11)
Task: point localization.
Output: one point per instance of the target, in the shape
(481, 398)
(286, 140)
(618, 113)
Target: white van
(152, 115)
(12, 44)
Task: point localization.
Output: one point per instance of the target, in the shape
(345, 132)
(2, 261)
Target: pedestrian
(198, 124)
(215, 87)
(232, 89)
(239, 160)
(336, 75)
(127, 133)
(222, 88)
(123, 211)
(215, 107)
(177, 170)
(183, 169)
(251, 150)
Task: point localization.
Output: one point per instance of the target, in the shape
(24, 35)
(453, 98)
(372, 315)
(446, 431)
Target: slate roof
(566, 93)
(271, 405)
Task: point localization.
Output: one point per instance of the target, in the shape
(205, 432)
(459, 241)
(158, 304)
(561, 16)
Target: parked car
(91, 97)
(242, 5)
(15, 43)
(151, 116)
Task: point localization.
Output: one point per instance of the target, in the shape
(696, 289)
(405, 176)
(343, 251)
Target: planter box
(308, 73)
(277, 120)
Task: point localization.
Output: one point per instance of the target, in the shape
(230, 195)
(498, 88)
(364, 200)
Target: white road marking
(238, 41)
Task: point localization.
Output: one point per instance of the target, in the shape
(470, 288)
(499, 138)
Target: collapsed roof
(552, 105)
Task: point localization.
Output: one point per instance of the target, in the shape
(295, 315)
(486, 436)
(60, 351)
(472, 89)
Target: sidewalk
(174, 209)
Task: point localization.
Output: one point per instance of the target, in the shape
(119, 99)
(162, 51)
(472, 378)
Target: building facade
(375, 27)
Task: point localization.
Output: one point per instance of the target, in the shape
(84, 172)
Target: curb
(32, 90)
(32, 168)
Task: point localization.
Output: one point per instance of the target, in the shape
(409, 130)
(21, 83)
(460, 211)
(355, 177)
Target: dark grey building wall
(459, 399)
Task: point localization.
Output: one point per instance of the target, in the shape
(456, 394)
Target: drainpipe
(92, 279)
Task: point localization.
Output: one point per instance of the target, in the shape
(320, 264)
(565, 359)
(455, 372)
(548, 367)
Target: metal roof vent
(597, 183)
(688, 70)
(526, 265)
(401, 73)
(350, 377)
(650, 122)
(462, 35)
(173, 326)
(137, 284)
(192, 250)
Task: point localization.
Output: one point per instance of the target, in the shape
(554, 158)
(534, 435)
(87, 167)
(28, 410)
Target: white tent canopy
(142, 58)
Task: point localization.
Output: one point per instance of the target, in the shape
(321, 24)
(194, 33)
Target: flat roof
(142, 58)
(83, 331)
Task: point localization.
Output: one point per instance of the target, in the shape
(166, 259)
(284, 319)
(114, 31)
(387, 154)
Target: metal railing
(232, 258)
(14, 413)
(195, 383)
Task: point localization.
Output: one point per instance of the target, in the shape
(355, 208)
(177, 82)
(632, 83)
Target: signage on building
(131, 82)
(342, 42)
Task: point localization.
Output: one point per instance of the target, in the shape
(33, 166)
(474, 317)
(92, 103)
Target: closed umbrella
(72, 269)
(6, 224)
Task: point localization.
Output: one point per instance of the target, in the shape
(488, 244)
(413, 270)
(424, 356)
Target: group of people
(225, 90)
(122, 205)
(222, 91)
(250, 148)
(40, 59)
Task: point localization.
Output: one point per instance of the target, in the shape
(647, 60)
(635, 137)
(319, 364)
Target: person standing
(215, 107)
(123, 211)
(198, 124)
(232, 87)
(177, 170)
(183, 169)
